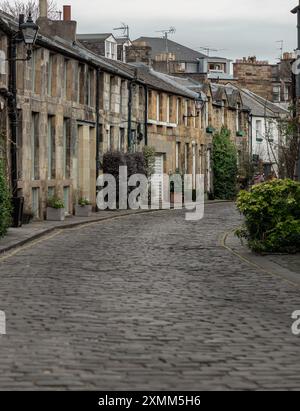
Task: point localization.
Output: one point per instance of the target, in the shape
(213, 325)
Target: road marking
(30, 245)
(223, 244)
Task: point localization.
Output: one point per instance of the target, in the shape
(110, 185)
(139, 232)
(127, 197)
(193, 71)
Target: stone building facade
(274, 82)
(74, 105)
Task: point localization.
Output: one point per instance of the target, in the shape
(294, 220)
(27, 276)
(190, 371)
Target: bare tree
(17, 7)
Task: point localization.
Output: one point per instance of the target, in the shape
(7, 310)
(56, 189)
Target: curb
(260, 263)
(51, 230)
(48, 231)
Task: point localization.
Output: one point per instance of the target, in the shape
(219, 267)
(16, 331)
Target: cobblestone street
(145, 302)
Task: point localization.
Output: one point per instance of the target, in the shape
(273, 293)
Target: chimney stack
(67, 13)
(43, 9)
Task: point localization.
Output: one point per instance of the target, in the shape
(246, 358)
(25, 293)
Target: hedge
(272, 216)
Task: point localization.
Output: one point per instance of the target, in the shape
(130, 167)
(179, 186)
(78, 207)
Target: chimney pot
(43, 8)
(67, 13)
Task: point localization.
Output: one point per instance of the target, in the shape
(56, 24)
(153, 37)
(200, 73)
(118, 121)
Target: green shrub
(272, 213)
(5, 201)
(55, 202)
(225, 168)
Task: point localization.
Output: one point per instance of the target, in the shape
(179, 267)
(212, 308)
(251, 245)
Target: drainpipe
(98, 165)
(146, 115)
(129, 115)
(13, 115)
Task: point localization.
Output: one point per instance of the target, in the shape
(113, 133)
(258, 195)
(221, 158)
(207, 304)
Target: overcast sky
(241, 27)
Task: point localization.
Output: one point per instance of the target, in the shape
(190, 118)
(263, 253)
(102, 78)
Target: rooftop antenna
(280, 42)
(125, 30)
(166, 33)
(208, 50)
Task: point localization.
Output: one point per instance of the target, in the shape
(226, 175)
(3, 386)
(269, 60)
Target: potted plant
(55, 209)
(83, 208)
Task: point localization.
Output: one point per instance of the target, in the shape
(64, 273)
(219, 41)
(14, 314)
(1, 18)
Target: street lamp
(29, 31)
(199, 104)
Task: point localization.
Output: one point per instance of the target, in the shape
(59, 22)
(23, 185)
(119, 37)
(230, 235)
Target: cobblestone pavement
(145, 302)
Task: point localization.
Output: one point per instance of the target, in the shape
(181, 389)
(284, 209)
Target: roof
(218, 75)
(143, 74)
(94, 37)
(259, 106)
(182, 53)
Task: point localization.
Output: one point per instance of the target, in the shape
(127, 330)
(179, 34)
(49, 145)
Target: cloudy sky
(242, 28)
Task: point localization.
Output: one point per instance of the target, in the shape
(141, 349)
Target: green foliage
(149, 156)
(84, 202)
(272, 212)
(5, 201)
(224, 166)
(55, 202)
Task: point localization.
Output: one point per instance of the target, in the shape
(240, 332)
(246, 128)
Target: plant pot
(83, 211)
(55, 214)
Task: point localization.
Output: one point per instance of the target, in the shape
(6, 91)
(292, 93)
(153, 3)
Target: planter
(240, 134)
(83, 211)
(55, 214)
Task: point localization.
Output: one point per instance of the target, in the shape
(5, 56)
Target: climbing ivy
(225, 168)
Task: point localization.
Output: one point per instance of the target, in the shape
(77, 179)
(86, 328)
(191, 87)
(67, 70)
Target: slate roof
(77, 50)
(94, 37)
(261, 107)
(182, 53)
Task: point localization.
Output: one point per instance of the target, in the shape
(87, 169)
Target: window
(81, 87)
(51, 148)
(286, 93)
(89, 88)
(168, 109)
(186, 158)
(276, 94)
(65, 83)
(186, 113)
(50, 75)
(122, 97)
(177, 156)
(158, 106)
(258, 128)
(108, 138)
(122, 139)
(36, 202)
(67, 148)
(178, 111)
(67, 199)
(35, 146)
(238, 117)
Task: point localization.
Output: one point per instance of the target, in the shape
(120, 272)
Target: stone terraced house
(73, 105)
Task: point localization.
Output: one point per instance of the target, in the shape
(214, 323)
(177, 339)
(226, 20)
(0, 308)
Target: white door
(157, 179)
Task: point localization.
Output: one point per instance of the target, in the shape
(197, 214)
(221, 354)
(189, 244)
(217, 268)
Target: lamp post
(26, 34)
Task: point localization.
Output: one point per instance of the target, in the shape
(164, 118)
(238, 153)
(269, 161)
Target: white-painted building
(265, 136)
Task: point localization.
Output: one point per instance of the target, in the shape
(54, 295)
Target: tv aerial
(124, 29)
